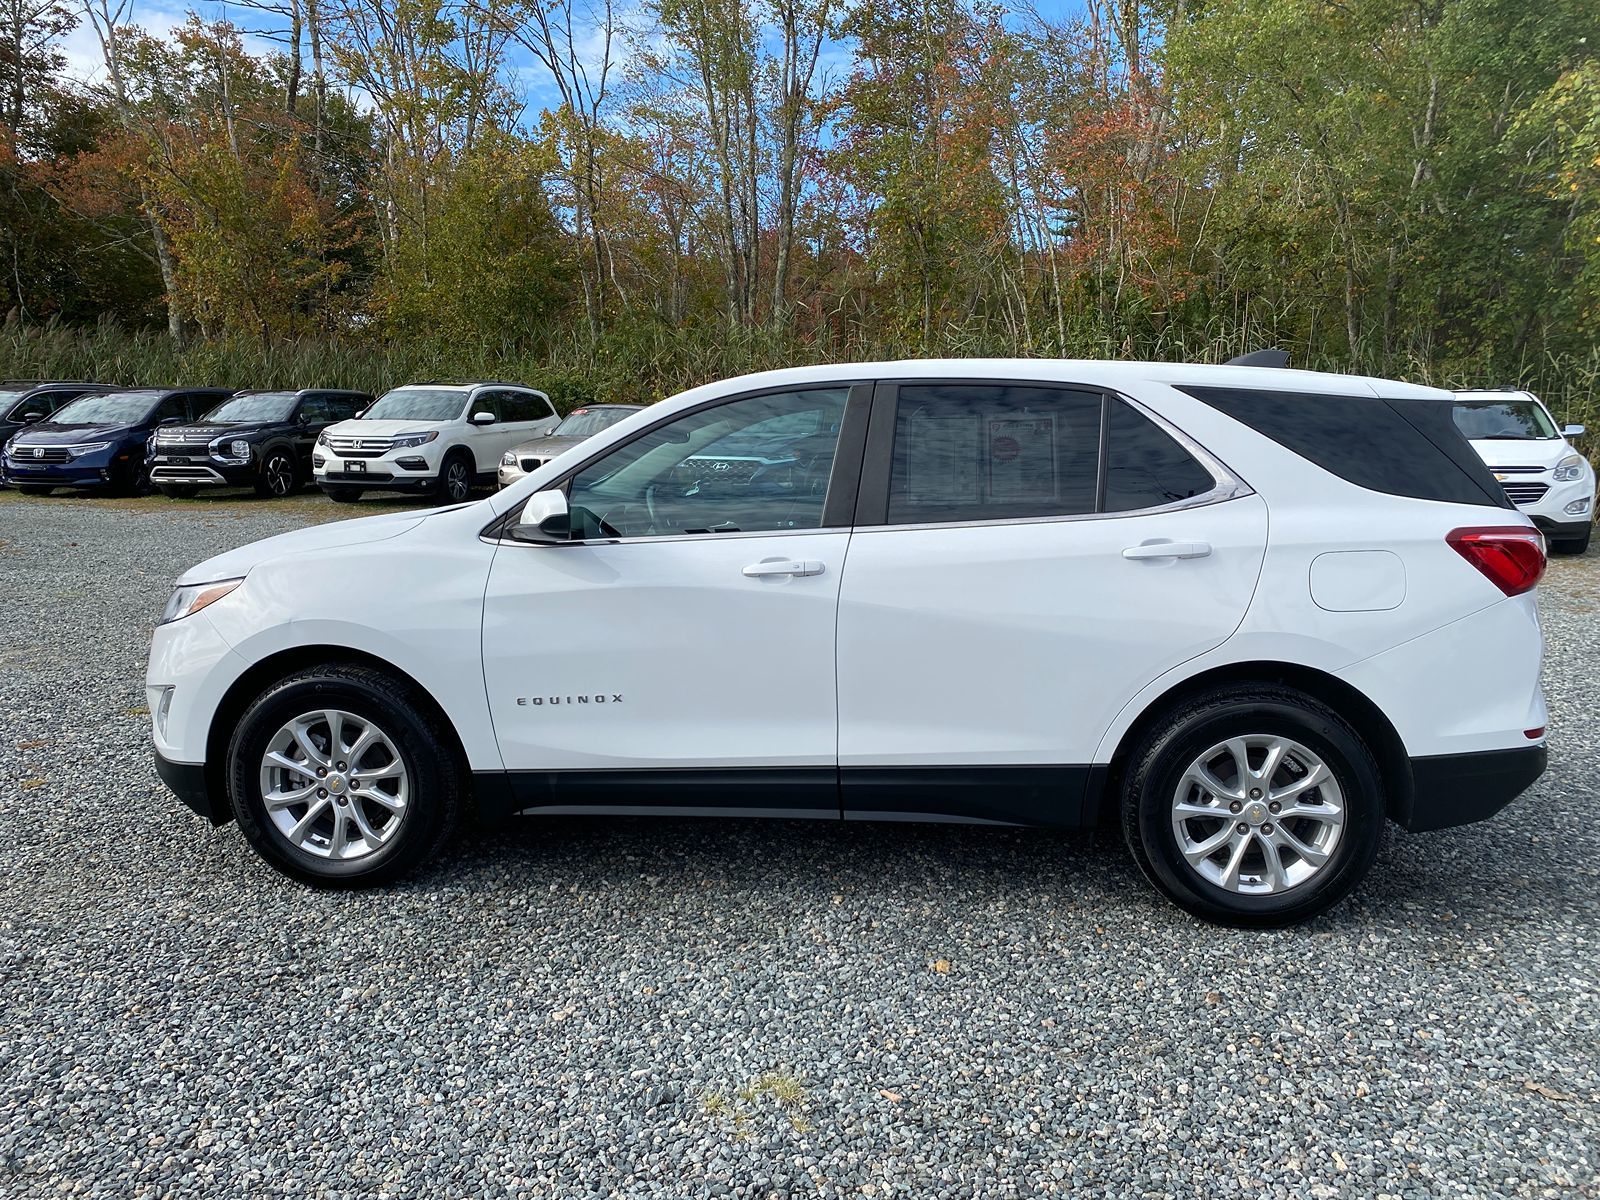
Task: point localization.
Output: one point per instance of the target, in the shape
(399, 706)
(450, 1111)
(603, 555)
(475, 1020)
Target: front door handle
(1168, 550)
(783, 566)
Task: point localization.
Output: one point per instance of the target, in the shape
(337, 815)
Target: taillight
(1512, 557)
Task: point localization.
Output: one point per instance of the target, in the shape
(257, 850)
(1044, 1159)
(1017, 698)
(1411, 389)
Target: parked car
(99, 441)
(1246, 614)
(430, 437)
(260, 440)
(25, 401)
(577, 426)
(1514, 433)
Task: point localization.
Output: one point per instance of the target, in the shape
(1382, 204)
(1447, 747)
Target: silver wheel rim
(334, 785)
(1258, 815)
(280, 475)
(455, 481)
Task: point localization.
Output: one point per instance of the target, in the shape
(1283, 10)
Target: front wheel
(455, 478)
(1254, 806)
(341, 777)
(277, 478)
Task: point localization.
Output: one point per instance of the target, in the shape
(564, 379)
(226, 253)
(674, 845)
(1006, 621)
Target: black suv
(256, 439)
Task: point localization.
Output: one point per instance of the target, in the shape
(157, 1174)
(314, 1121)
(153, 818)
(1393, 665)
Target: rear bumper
(1458, 789)
(187, 781)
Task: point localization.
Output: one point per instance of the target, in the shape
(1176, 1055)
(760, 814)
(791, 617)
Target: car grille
(183, 439)
(1526, 493)
(721, 470)
(40, 454)
(354, 447)
(530, 464)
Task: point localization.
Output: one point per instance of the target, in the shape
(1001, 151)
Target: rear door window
(1145, 465)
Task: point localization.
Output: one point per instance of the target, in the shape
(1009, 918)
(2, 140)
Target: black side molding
(1458, 789)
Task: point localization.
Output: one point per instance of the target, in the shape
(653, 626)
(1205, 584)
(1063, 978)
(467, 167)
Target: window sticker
(1022, 458)
(943, 459)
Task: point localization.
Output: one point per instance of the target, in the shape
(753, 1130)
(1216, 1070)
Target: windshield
(258, 406)
(418, 404)
(114, 408)
(585, 422)
(7, 399)
(1502, 420)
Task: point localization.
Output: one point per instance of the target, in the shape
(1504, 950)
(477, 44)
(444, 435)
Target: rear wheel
(178, 491)
(340, 777)
(343, 495)
(1254, 806)
(33, 489)
(277, 477)
(455, 477)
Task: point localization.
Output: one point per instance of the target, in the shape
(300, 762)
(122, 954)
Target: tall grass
(645, 361)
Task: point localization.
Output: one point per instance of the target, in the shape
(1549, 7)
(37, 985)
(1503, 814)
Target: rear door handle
(1168, 550)
(783, 566)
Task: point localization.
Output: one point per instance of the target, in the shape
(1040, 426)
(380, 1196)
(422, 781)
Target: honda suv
(260, 440)
(431, 437)
(1246, 614)
(1542, 474)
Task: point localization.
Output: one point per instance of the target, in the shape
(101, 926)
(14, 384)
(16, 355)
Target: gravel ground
(626, 1008)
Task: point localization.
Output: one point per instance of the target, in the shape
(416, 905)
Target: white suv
(1544, 476)
(442, 438)
(1247, 614)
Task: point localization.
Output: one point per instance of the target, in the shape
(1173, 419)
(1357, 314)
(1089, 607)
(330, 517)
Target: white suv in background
(443, 438)
(1545, 477)
(1246, 614)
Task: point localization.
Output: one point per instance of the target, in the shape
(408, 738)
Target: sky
(162, 16)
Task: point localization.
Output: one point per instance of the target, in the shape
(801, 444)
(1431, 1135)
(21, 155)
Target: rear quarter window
(1398, 447)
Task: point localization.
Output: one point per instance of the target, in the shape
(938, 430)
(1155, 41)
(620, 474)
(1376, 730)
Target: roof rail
(1260, 358)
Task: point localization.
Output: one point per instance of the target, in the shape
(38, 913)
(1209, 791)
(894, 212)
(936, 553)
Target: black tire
(437, 791)
(1577, 545)
(455, 477)
(33, 489)
(278, 476)
(132, 481)
(1165, 753)
(178, 491)
(343, 495)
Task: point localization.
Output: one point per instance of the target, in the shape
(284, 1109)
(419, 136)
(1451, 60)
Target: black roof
(37, 384)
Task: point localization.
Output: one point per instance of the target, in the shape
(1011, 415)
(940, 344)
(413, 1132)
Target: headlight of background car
(322, 438)
(191, 598)
(508, 459)
(87, 448)
(406, 441)
(1570, 467)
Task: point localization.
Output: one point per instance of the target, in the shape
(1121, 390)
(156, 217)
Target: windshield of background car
(1502, 420)
(263, 406)
(585, 422)
(113, 408)
(418, 404)
(8, 399)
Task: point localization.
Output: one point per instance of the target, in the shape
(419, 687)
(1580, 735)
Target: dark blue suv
(99, 442)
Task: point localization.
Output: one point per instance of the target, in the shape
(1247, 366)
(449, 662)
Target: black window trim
(872, 507)
(838, 506)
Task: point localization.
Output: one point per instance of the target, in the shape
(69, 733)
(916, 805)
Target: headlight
(191, 598)
(322, 438)
(87, 448)
(406, 441)
(1570, 467)
(508, 459)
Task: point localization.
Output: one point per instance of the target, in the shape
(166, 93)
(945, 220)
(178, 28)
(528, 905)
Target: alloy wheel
(279, 474)
(456, 484)
(334, 785)
(1258, 814)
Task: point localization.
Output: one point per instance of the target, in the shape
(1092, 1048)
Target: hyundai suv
(1544, 476)
(260, 440)
(443, 438)
(100, 442)
(1246, 614)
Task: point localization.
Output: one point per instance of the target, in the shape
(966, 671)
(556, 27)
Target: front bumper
(87, 471)
(1561, 530)
(372, 481)
(1458, 789)
(201, 471)
(506, 476)
(404, 470)
(187, 781)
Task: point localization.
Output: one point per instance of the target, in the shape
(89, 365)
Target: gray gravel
(677, 1009)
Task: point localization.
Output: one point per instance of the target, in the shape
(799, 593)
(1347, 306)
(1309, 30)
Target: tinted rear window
(1400, 447)
(1145, 466)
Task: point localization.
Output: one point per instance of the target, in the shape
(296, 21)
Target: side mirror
(1574, 431)
(544, 519)
(170, 421)
(483, 418)
(28, 418)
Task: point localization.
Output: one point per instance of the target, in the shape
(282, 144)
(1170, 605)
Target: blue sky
(161, 16)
